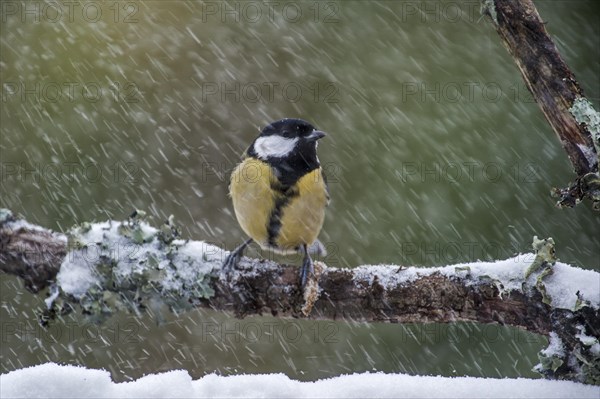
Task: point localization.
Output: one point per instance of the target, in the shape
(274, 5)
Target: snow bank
(55, 381)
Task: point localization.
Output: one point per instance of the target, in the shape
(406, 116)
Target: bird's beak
(315, 135)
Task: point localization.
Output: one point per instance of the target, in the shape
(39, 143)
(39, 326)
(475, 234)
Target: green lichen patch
(539, 284)
(5, 216)
(590, 185)
(586, 186)
(550, 362)
(545, 258)
(584, 113)
(169, 231)
(488, 7)
(552, 357)
(580, 303)
(545, 255)
(587, 352)
(115, 266)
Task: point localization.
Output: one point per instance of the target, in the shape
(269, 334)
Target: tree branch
(30, 252)
(556, 91)
(111, 266)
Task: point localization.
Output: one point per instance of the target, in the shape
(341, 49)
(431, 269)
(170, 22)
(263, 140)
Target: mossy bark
(264, 287)
(554, 88)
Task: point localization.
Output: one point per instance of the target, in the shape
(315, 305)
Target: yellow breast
(252, 197)
(302, 218)
(274, 220)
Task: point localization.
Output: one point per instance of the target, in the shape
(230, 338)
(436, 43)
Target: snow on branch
(101, 268)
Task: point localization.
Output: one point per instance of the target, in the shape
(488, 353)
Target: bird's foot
(307, 271)
(233, 259)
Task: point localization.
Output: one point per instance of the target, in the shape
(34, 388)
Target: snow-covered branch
(107, 267)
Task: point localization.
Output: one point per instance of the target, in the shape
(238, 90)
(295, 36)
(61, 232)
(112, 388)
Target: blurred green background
(436, 154)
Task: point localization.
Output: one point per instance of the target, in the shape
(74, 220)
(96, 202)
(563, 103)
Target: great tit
(279, 192)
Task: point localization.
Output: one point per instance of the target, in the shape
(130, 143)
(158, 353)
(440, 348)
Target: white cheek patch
(274, 146)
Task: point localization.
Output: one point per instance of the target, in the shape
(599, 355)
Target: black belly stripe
(286, 194)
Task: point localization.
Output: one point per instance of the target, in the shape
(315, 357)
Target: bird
(279, 193)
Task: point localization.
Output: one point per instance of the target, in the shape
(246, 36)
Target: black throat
(289, 169)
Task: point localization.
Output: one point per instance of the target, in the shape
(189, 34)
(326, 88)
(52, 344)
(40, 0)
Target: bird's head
(287, 140)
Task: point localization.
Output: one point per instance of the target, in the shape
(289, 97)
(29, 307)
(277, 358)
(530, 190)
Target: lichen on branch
(102, 268)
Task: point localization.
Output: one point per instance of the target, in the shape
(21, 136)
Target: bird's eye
(304, 130)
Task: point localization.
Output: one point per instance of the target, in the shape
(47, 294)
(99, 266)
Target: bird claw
(233, 259)
(231, 262)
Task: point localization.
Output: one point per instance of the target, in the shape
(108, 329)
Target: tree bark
(34, 254)
(258, 287)
(556, 91)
